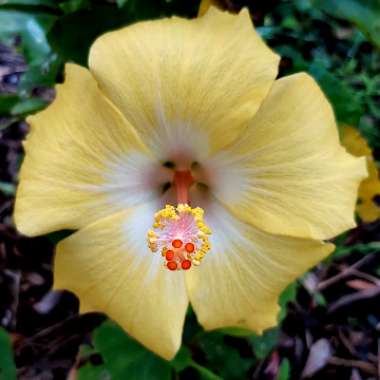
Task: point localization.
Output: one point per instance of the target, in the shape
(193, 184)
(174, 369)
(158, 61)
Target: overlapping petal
(188, 85)
(83, 160)
(108, 266)
(288, 173)
(240, 280)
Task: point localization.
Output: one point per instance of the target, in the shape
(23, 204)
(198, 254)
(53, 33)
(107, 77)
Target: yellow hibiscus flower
(188, 114)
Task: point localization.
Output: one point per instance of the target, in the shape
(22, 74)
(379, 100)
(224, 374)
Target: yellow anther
(180, 242)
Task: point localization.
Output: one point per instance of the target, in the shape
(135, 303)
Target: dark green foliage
(364, 13)
(7, 366)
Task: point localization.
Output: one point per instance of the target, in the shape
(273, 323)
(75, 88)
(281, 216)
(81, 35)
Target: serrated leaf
(7, 366)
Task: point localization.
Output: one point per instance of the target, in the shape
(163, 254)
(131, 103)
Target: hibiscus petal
(109, 267)
(83, 160)
(185, 83)
(239, 281)
(288, 173)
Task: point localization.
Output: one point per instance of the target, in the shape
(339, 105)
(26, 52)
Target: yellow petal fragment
(68, 152)
(108, 267)
(240, 280)
(288, 173)
(205, 5)
(228, 5)
(199, 79)
(367, 209)
(354, 142)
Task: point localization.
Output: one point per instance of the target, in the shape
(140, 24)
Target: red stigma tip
(176, 243)
(172, 265)
(186, 264)
(169, 255)
(189, 247)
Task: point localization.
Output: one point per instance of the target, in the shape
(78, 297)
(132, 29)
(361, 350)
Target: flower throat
(180, 233)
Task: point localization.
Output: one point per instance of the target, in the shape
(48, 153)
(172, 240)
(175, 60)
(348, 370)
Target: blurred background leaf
(124, 358)
(32, 3)
(364, 13)
(7, 366)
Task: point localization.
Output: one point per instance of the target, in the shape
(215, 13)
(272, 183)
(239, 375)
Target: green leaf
(222, 358)
(73, 34)
(121, 3)
(363, 13)
(72, 6)
(28, 106)
(40, 74)
(42, 64)
(43, 3)
(124, 358)
(15, 105)
(7, 188)
(345, 101)
(263, 344)
(289, 294)
(7, 366)
(320, 299)
(31, 27)
(236, 331)
(93, 372)
(182, 360)
(372, 247)
(284, 371)
(7, 102)
(205, 373)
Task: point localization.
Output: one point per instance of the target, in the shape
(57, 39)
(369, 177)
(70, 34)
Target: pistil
(180, 233)
(182, 181)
